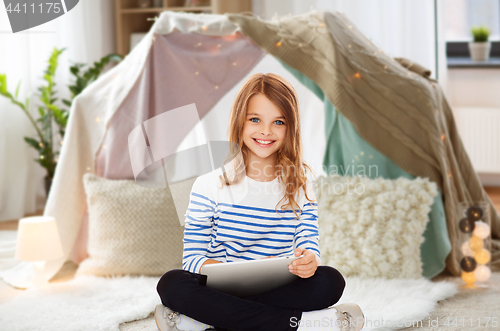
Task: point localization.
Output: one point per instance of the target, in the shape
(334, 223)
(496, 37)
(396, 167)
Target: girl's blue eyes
(281, 122)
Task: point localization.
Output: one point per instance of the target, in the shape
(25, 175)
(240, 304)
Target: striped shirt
(239, 222)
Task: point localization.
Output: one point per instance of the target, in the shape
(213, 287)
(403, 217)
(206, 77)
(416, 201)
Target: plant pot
(480, 51)
(48, 184)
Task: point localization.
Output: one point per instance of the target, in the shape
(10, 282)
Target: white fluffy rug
(83, 303)
(397, 303)
(94, 303)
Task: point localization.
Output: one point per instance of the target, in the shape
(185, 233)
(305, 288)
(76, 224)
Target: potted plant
(480, 48)
(50, 113)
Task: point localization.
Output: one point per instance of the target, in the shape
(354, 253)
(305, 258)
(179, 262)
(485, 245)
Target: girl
(224, 225)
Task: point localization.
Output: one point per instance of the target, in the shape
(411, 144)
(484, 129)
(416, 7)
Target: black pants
(279, 309)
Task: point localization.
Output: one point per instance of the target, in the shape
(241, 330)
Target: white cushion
(132, 230)
(373, 227)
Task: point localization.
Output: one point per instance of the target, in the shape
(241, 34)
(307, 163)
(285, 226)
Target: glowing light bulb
(482, 273)
(41, 157)
(468, 277)
(97, 119)
(483, 256)
(443, 136)
(278, 44)
(216, 87)
(482, 230)
(357, 75)
(466, 251)
(476, 243)
(197, 73)
(204, 28)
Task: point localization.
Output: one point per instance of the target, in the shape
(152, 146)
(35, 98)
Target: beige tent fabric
(400, 113)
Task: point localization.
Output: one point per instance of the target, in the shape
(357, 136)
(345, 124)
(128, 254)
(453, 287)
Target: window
(461, 15)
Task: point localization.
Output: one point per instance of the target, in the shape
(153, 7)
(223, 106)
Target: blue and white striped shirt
(239, 222)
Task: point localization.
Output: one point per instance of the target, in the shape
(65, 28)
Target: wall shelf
(129, 18)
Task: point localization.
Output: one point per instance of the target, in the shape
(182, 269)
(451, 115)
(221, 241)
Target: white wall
(475, 88)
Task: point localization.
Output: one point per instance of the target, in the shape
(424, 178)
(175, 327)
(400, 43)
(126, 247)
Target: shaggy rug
(95, 303)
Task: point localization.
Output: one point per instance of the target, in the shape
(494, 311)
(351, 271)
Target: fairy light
(278, 44)
(61, 142)
(42, 157)
(197, 73)
(204, 28)
(357, 75)
(198, 44)
(234, 63)
(219, 45)
(41, 145)
(216, 87)
(97, 119)
(443, 137)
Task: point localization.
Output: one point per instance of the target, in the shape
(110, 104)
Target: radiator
(479, 129)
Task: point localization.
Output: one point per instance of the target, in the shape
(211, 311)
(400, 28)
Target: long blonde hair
(292, 172)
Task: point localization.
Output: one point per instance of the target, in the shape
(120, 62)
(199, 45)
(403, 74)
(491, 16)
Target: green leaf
(33, 143)
(17, 89)
(66, 102)
(3, 83)
(41, 111)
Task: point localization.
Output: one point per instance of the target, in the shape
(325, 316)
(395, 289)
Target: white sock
(187, 323)
(319, 320)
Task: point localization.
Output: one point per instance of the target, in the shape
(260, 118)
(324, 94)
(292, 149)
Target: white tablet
(245, 278)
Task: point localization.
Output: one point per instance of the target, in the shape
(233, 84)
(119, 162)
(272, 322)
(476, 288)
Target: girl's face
(264, 130)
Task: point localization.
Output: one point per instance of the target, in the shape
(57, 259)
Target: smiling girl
(277, 217)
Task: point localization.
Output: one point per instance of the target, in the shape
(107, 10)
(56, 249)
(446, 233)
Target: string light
(234, 63)
(278, 44)
(357, 75)
(41, 157)
(204, 28)
(219, 45)
(443, 137)
(97, 119)
(41, 144)
(216, 87)
(197, 73)
(61, 142)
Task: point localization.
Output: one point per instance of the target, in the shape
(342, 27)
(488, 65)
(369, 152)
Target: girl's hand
(306, 266)
(269, 257)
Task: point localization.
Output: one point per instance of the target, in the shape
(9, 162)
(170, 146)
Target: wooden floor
(493, 193)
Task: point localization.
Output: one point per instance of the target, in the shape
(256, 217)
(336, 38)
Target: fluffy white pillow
(132, 230)
(373, 227)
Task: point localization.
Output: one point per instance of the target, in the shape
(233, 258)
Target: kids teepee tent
(365, 100)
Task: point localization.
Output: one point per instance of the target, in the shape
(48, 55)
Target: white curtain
(87, 33)
(401, 28)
